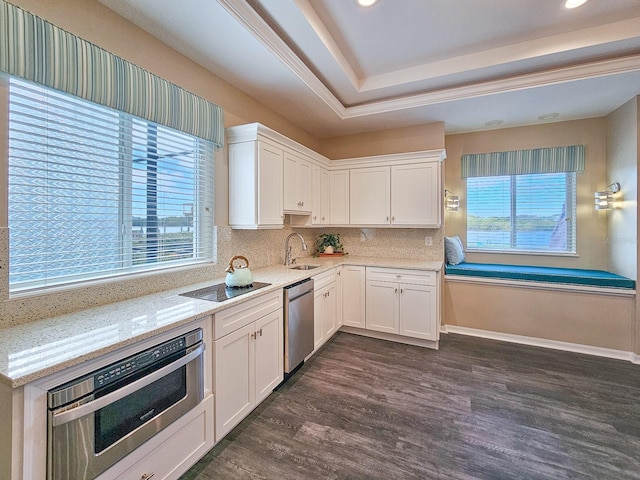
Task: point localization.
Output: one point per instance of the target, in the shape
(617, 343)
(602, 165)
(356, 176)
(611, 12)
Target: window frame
(204, 202)
(570, 217)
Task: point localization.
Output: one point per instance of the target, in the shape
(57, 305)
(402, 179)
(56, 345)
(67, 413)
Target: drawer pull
(147, 476)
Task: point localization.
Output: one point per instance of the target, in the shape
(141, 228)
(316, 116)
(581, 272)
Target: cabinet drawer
(324, 279)
(238, 316)
(185, 442)
(397, 275)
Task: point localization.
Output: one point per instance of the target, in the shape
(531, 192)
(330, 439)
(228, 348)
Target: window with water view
(522, 213)
(94, 192)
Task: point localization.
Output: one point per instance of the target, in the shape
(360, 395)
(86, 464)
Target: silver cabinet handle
(323, 218)
(147, 476)
(387, 219)
(96, 404)
(396, 290)
(260, 332)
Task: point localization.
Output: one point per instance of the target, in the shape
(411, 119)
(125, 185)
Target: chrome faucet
(287, 248)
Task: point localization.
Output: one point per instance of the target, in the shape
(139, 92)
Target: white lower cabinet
(353, 296)
(248, 361)
(324, 308)
(402, 302)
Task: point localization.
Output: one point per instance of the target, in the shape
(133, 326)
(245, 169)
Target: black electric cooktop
(220, 292)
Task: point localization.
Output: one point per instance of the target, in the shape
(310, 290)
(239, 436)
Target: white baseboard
(541, 342)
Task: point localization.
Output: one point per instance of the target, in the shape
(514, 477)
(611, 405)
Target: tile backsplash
(262, 247)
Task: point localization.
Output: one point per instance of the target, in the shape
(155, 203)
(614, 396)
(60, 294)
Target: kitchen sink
(304, 267)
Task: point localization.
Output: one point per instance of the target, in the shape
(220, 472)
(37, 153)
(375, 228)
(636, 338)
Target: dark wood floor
(476, 409)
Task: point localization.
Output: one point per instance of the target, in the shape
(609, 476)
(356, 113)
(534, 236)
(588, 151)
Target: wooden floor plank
(475, 409)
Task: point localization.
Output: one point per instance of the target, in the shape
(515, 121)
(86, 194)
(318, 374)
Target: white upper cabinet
(339, 197)
(297, 184)
(271, 175)
(399, 195)
(415, 194)
(370, 196)
(255, 185)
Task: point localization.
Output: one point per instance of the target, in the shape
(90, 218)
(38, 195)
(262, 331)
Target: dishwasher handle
(299, 289)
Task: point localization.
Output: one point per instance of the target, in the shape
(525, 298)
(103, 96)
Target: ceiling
(335, 68)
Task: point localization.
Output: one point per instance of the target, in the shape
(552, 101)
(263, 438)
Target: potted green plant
(329, 243)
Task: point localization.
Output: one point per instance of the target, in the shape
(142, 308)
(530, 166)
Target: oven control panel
(129, 365)
(87, 384)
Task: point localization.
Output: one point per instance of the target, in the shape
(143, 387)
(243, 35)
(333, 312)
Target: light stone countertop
(34, 350)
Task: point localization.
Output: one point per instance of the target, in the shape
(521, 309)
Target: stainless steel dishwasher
(298, 323)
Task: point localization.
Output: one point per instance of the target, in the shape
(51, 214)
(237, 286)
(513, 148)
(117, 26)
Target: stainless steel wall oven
(96, 420)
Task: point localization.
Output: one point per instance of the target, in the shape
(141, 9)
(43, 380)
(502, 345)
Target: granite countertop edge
(34, 350)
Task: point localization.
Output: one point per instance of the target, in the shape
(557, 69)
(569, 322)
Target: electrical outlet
(428, 241)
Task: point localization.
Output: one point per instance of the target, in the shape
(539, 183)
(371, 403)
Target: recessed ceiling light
(574, 3)
(493, 123)
(549, 116)
(367, 3)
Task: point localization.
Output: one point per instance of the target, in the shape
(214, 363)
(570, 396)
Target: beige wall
(622, 167)
(603, 321)
(396, 140)
(591, 225)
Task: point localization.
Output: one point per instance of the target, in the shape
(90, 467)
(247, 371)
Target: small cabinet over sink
(297, 184)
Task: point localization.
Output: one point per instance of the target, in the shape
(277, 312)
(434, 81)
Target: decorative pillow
(453, 250)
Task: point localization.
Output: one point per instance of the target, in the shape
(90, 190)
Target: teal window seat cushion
(570, 276)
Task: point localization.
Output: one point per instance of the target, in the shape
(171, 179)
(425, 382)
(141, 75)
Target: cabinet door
(329, 310)
(303, 183)
(353, 296)
(290, 189)
(320, 195)
(269, 357)
(234, 379)
(297, 184)
(339, 197)
(270, 166)
(382, 306)
(318, 317)
(415, 194)
(339, 289)
(418, 317)
(324, 196)
(370, 198)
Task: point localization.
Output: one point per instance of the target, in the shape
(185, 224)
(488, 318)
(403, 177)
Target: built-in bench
(567, 276)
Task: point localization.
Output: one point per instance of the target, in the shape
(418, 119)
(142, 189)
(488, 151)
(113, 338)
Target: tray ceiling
(334, 68)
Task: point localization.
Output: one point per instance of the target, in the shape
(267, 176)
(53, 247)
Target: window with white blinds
(522, 213)
(94, 192)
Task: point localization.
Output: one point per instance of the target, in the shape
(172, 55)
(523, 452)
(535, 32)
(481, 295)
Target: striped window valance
(36, 50)
(523, 162)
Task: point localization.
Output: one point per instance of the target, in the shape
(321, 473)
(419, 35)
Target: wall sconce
(604, 199)
(452, 202)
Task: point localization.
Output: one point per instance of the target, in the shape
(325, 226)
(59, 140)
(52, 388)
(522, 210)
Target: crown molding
(255, 24)
(494, 87)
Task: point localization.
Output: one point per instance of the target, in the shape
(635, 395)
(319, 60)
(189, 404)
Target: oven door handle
(67, 416)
